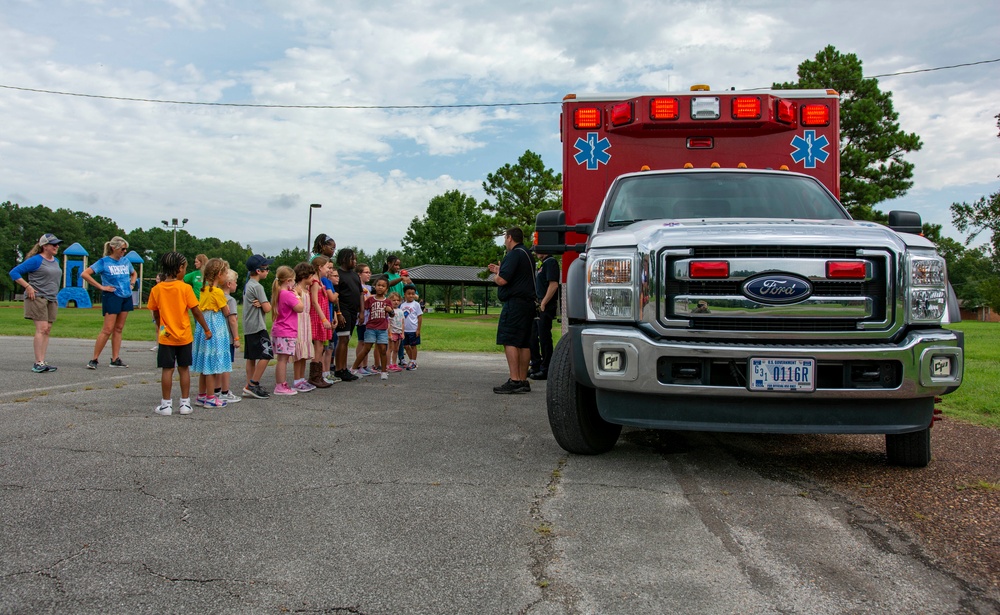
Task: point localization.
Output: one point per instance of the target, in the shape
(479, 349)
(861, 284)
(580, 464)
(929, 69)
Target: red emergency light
(786, 111)
(621, 114)
(815, 115)
(586, 118)
(708, 269)
(746, 108)
(700, 142)
(664, 109)
(846, 270)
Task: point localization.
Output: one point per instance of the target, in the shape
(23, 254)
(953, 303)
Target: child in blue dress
(212, 356)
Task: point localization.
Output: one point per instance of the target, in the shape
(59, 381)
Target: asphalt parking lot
(425, 493)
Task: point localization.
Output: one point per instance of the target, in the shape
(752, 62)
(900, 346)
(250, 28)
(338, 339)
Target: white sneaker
(384, 376)
(164, 410)
(230, 398)
(185, 408)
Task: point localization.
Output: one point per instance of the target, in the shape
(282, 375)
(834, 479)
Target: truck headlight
(927, 299)
(611, 285)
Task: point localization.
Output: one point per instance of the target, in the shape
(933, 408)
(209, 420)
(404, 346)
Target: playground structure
(74, 288)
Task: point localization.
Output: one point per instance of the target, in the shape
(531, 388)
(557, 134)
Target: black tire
(909, 449)
(573, 416)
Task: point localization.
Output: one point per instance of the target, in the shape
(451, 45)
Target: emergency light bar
(815, 115)
(746, 108)
(586, 118)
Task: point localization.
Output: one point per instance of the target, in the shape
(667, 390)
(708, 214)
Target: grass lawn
(977, 401)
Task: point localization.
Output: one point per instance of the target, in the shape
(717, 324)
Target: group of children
(307, 325)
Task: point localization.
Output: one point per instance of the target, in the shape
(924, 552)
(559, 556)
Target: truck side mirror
(550, 226)
(906, 222)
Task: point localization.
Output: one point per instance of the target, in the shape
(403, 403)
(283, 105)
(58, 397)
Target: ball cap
(48, 239)
(256, 262)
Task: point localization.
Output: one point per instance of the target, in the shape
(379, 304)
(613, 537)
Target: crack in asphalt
(543, 552)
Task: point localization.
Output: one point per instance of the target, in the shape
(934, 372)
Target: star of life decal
(809, 150)
(592, 152)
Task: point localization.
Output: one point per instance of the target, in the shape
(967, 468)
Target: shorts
(350, 320)
(39, 309)
(113, 304)
(361, 332)
(411, 339)
(168, 357)
(514, 326)
(395, 337)
(376, 336)
(284, 345)
(258, 346)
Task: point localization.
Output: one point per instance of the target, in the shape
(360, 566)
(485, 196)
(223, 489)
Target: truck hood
(651, 234)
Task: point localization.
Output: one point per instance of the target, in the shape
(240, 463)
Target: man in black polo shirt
(515, 276)
(547, 295)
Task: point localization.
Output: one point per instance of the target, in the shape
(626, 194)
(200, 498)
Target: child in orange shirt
(170, 301)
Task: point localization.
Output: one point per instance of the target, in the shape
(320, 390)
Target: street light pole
(174, 225)
(309, 231)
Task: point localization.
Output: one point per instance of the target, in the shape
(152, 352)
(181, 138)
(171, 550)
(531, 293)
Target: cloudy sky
(250, 173)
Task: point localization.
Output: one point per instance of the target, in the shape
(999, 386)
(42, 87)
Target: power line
(273, 106)
(929, 70)
(391, 107)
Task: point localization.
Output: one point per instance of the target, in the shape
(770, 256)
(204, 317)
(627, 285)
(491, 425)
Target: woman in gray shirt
(39, 275)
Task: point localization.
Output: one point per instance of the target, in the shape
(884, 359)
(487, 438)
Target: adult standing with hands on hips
(39, 276)
(515, 277)
(117, 277)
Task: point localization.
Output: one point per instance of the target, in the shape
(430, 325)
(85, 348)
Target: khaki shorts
(38, 309)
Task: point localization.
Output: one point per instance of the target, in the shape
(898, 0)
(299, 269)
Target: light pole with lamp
(309, 231)
(173, 225)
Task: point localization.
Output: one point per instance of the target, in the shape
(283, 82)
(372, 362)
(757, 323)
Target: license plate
(776, 374)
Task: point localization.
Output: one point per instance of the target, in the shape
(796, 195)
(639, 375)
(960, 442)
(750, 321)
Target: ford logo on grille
(775, 288)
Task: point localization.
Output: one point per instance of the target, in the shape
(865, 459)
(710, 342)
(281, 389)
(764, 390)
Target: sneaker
(345, 375)
(186, 408)
(200, 400)
(92, 364)
(40, 368)
(166, 410)
(282, 388)
(303, 386)
(155, 348)
(538, 375)
(403, 363)
(117, 363)
(364, 371)
(412, 365)
(357, 373)
(230, 398)
(256, 391)
(214, 402)
(509, 387)
(384, 376)
(525, 387)
(50, 368)
(331, 378)
(395, 369)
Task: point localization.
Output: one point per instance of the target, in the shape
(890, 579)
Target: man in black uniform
(547, 295)
(515, 278)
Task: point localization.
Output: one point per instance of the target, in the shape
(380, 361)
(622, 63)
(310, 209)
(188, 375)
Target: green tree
(872, 168)
(519, 193)
(445, 235)
(981, 215)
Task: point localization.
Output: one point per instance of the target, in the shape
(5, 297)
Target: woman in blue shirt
(117, 278)
(39, 275)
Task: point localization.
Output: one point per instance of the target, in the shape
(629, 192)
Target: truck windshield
(721, 195)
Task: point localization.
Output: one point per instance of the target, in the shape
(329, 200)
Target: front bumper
(868, 388)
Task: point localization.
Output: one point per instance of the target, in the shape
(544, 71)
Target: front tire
(573, 416)
(909, 449)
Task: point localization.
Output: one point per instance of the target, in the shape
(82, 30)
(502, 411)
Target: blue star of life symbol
(809, 149)
(592, 151)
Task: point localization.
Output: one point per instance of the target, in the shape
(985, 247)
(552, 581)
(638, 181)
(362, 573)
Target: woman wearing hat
(39, 275)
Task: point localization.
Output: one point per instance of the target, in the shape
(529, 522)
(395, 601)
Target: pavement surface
(425, 493)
